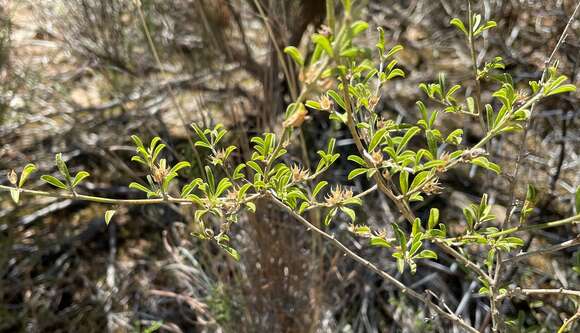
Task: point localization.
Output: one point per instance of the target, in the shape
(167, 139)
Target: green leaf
(404, 181)
(406, 138)
(395, 73)
(433, 218)
(427, 254)
(137, 186)
(180, 166)
(401, 265)
(251, 207)
(356, 172)
(484, 163)
(109, 215)
(223, 185)
(358, 27)
(401, 238)
(396, 49)
(377, 138)
(459, 25)
(318, 188)
(26, 172)
(324, 43)
(357, 159)
(79, 178)
(313, 105)
(337, 99)
(137, 141)
(62, 166)
(231, 251)
(379, 241)
(53, 181)
(15, 194)
(562, 89)
(350, 212)
(330, 215)
(294, 53)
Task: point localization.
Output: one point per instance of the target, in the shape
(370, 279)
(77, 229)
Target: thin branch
(523, 143)
(404, 289)
(111, 201)
(515, 292)
(554, 248)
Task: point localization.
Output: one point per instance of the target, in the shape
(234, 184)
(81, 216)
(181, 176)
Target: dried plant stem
(528, 292)
(172, 94)
(554, 248)
(404, 289)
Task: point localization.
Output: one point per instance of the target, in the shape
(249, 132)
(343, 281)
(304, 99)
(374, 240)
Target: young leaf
(28, 169)
(433, 218)
(15, 194)
(356, 172)
(318, 188)
(427, 254)
(350, 212)
(379, 241)
(459, 25)
(358, 27)
(323, 42)
(295, 55)
(53, 181)
(109, 215)
(79, 178)
(62, 166)
(231, 251)
(137, 186)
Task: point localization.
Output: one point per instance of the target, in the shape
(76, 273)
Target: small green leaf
(318, 188)
(62, 166)
(562, 89)
(433, 218)
(406, 138)
(109, 215)
(79, 178)
(379, 241)
(294, 53)
(330, 215)
(231, 251)
(377, 138)
(26, 172)
(459, 25)
(15, 194)
(350, 212)
(53, 181)
(251, 207)
(323, 42)
(358, 27)
(179, 166)
(404, 181)
(356, 172)
(137, 186)
(427, 254)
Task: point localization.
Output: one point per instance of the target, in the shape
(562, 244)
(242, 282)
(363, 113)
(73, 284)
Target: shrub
(403, 161)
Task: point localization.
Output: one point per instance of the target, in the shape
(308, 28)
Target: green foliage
(404, 159)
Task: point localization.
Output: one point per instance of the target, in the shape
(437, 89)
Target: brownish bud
(12, 177)
(297, 118)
